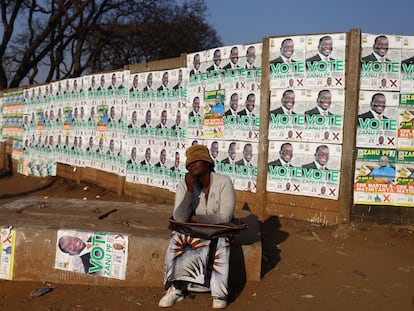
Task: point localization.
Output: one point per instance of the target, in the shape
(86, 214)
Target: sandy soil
(360, 266)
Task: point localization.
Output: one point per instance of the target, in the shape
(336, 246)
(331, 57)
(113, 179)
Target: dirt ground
(360, 266)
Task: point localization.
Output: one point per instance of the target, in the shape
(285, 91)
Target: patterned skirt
(198, 262)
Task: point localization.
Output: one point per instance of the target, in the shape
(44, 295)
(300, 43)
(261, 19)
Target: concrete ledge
(36, 221)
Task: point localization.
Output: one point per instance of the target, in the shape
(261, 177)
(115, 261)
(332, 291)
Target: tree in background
(46, 40)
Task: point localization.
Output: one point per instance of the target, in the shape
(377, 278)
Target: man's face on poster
(287, 48)
(381, 46)
(322, 156)
(234, 101)
(378, 103)
(326, 46)
(288, 100)
(324, 100)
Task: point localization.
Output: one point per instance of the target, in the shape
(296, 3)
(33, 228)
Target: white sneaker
(219, 304)
(172, 296)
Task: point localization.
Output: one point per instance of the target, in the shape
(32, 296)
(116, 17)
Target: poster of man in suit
(325, 61)
(315, 173)
(380, 62)
(246, 167)
(97, 253)
(286, 119)
(324, 110)
(377, 119)
(196, 67)
(287, 62)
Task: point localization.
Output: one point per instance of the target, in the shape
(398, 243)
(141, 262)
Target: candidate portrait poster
(287, 62)
(380, 62)
(102, 254)
(325, 61)
(377, 119)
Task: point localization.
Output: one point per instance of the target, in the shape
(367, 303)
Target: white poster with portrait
(380, 62)
(325, 61)
(377, 119)
(102, 254)
(287, 62)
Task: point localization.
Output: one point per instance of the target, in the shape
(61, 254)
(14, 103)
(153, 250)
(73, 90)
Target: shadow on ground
(270, 235)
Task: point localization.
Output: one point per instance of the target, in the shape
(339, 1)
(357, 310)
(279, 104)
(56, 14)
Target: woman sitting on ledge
(194, 264)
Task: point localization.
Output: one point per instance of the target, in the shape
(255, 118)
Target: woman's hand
(193, 218)
(189, 180)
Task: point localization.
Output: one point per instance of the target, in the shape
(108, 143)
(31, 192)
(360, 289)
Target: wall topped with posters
(139, 124)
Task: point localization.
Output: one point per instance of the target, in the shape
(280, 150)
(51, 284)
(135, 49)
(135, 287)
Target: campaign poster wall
(157, 128)
(385, 142)
(12, 120)
(224, 108)
(307, 101)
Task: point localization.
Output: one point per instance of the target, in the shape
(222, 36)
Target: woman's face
(199, 168)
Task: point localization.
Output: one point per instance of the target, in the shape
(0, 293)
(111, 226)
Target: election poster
(197, 76)
(102, 254)
(7, 247)
(316, 172)
(213, 121)
(323, 112)
(251, 58)
(406, 122)
(384, 177)
(246, 166)
(287, 119)
(248, 118)
(195, 115)
(375, 166)
(306, 115)
(287, 62)
(132, 165)
(407, 63)
(380, 62)
(236, 159)
(325, 61)
(405, 177)
(377, 119)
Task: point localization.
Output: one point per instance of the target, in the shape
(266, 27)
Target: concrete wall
(147, 231)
